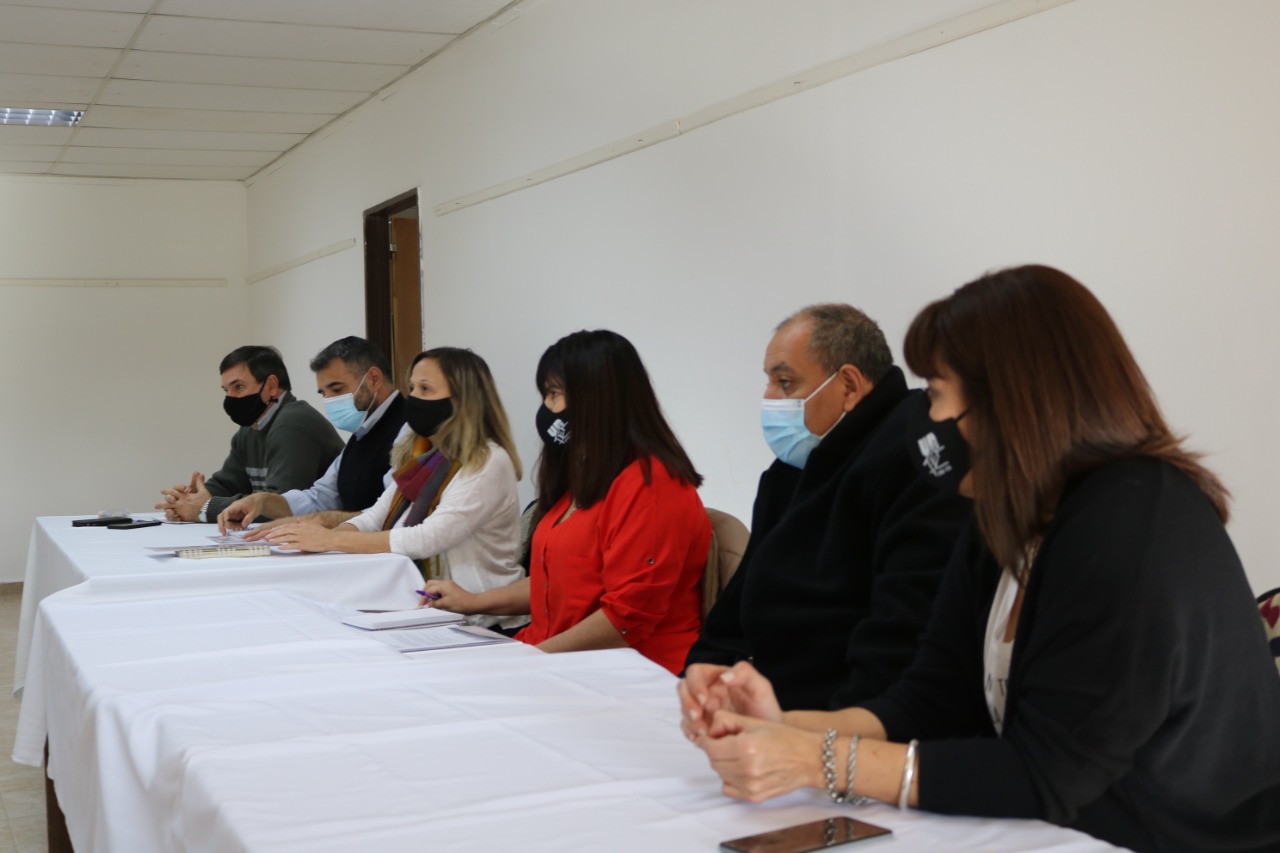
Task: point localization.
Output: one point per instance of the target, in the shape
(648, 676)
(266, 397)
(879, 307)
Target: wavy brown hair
(614, 419)
(1052, 391)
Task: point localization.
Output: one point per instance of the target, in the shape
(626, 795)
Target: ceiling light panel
(39, 117)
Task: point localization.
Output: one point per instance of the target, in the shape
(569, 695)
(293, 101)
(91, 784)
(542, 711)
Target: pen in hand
(429, 596)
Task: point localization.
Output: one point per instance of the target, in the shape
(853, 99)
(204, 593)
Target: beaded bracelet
(829, 765)
(908, 774)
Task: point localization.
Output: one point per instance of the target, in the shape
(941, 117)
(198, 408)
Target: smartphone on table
(806, 837)
(100, 520)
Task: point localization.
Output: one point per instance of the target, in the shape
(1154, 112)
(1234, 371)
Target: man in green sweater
(282, 443)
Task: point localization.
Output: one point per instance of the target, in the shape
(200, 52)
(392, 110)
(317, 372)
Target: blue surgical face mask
(342, 412)
(784, 429)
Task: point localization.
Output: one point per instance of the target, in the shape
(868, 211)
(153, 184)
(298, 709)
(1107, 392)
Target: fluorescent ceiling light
(49, 118)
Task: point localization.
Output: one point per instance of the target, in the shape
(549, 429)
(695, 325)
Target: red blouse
(638, 555)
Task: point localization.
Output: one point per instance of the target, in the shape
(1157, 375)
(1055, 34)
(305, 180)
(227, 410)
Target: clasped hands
(184, 501)
(733, 715)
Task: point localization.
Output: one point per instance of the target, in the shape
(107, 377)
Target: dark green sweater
(291, 451)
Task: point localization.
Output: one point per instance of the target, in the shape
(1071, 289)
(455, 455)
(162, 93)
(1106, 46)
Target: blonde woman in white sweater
(452, 505)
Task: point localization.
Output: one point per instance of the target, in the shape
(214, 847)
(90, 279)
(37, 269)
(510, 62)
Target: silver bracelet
(908, 774)
(829, 765)
(849, 796)
(852, 765)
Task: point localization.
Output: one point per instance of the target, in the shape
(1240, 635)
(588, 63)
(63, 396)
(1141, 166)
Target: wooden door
(392, 281)
(406, 295)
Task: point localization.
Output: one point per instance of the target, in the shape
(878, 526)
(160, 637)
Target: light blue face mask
(784, 429)
(342, 412)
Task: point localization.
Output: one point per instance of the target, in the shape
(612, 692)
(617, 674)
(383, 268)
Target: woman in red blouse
(618, 555)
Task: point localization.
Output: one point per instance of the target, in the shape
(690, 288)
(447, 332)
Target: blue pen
(430, 596)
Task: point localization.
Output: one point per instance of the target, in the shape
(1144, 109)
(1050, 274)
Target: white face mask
(342, 412)
(784, 429)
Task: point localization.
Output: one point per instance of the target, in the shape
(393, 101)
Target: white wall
(1127, 141)
(111, 393)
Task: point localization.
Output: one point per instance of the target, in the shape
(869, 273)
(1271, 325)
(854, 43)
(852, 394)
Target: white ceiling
(202, 89)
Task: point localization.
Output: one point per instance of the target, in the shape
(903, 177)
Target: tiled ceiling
(202, 89)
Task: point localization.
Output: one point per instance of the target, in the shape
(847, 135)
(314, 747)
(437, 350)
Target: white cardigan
(475, 529)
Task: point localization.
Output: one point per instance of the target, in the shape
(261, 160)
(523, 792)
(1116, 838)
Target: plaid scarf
(419, 484)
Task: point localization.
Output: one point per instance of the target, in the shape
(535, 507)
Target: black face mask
(553, 428)
(245, 410)
(425, 416)
(944, 454)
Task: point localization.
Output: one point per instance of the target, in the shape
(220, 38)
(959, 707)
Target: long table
(253, 721)
(106, 562)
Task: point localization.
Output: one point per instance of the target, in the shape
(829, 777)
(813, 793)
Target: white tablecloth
(253, 722)
(112, 562)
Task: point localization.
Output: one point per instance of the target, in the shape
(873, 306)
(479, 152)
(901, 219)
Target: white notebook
(401, 619)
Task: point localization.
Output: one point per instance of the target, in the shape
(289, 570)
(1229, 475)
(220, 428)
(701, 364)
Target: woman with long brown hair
(1094, 658)
(618, 555)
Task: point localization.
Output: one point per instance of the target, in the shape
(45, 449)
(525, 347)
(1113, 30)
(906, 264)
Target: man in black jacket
(848, 543)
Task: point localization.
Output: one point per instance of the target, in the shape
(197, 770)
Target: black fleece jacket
(844, 560)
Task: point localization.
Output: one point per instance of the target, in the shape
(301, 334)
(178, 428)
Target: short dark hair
(1054, 392)
(841, 334)
(614, 419)
(356, 353)
(261, 361)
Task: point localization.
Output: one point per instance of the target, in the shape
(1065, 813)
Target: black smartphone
(804, 837)
(132, 524)
(100, 521)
